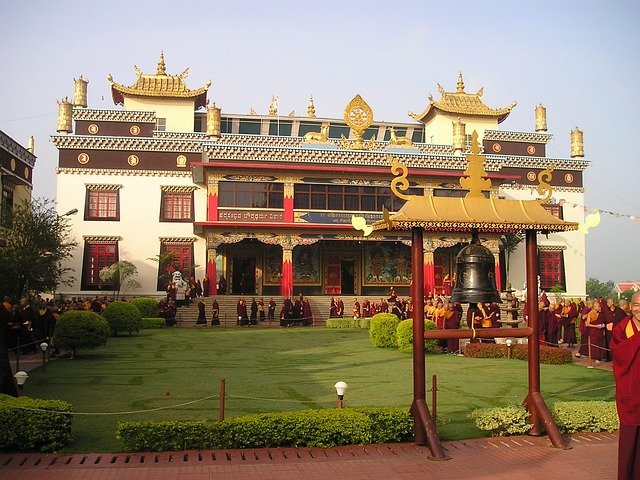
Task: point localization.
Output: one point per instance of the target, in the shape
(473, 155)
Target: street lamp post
(20, 377)
(509, 343)
(43, 347)
(340, 387)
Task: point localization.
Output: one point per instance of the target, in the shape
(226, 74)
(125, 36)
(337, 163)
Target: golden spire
(541, 118)
(475, 179)
(31, 145)
(273, 106)
(577, 143)
(161, 70)
(311, 108)
(460, 84)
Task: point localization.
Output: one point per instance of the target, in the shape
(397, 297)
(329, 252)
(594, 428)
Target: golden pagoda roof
(474, 211)
(159, 85)
(461, 103)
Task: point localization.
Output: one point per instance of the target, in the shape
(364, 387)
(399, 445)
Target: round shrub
(382, 330)
(122, 317)
(404, 336)
(148, 306)
(80, 329)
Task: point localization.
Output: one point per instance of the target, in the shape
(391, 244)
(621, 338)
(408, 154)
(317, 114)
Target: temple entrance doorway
(243, 275)
(347, 276)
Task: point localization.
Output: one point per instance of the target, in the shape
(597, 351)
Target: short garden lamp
(341, 387)
(20, 377)
(509, 343)
(43, 348)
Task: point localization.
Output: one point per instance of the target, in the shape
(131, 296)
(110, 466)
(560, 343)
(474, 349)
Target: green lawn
(280, 369)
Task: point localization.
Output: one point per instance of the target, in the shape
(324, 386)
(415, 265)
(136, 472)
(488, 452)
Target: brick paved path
(592, 456)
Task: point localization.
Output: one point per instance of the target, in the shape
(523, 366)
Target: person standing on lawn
(625, 346)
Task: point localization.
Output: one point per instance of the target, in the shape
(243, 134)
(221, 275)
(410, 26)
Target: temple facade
(16, 181)
(279, 204)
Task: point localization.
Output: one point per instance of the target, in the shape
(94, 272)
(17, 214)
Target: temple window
(251, 194)
(102, 203)
(554, 209)
(551, 269)
(161, 124)
(6, 206)
(176, 206)
(345, 197)
(180, 255)
(97, 255)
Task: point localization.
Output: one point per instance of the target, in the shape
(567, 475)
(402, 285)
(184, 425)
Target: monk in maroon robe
(612, 314)
(625, 344)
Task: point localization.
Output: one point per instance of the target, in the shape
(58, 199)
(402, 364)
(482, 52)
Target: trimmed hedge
(570, 417)
(348, 323)
(342, 323)
(80, 329)
(148, 306)
(147, 323)
(548, 355)
(404, 336)
(303, 428)
(382, 330)
(585, 416)
(31, 424)
(122, 317)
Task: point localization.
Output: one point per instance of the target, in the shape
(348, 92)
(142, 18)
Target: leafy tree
(597, 289)
(627, 294)
(122, 316)
(38, 242)
(121, 275)
(80, 329)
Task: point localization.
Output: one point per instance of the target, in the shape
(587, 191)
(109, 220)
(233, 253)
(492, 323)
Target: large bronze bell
(475, 275)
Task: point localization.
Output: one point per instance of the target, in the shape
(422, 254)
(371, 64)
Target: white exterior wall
(573, 243)
(178, 112)
(439, 129)
(139, 226)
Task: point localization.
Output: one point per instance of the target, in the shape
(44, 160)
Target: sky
(578, 58)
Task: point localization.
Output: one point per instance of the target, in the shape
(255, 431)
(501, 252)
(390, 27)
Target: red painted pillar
(286, 282)
(288, 202)
(212, 201)
(211, 270)
(498, 275)
(531, 262)
(429, 274)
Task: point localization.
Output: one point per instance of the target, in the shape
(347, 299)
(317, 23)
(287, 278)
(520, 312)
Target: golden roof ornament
(577, 143)
(544, 187)
(476, 177)
(358, 116)
(311, 108)
(273, 106)
(462, 104)
(65, 116)
(541, 118)
(80, 92)
(161, 68)
(459, 136)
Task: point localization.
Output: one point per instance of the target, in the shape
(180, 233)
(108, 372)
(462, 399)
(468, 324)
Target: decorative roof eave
(122, 172)
(14, 148)
(150, 144)
(469, 226)
(504, 135)
(104, 115)
(461, 103)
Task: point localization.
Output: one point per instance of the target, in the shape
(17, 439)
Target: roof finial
(160, 70)
(311, 108)
(460, 85)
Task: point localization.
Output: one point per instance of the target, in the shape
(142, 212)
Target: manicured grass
(280, 369)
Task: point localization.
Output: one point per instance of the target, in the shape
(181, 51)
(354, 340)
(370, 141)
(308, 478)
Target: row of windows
(99, 255)
(105, 205)
(178, 206)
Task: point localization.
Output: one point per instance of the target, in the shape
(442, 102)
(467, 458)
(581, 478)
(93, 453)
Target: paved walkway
(592, 456)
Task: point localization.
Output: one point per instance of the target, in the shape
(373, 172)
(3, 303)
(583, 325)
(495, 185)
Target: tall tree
(597, 289)
(38, 241)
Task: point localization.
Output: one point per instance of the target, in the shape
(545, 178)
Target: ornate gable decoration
(159, 85)
(461, 103)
